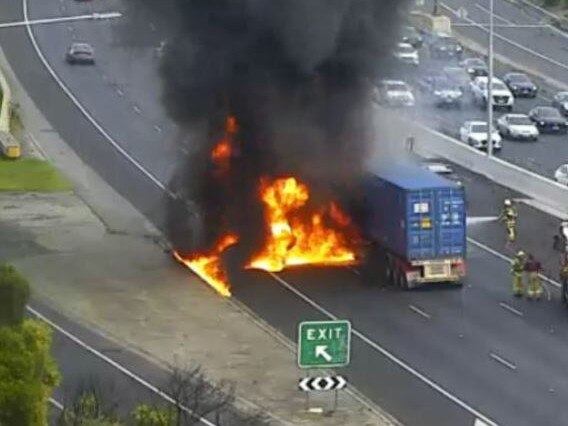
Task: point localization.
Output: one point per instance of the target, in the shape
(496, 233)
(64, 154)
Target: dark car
(520, 85)
(459, 76)
(443, 46)
(475, 67)
(548, 119)
(80, 53)
(441, 91)
(411, 36)
(560, 102)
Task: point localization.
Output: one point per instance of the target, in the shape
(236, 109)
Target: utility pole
(490, 84)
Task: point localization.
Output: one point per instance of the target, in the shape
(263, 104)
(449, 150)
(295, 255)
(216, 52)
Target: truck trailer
(415, 224)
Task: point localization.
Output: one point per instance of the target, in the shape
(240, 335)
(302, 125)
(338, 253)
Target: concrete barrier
(8, 144)
(550, 196)
(5, 105)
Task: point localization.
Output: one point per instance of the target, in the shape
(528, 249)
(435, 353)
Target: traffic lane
(131, 44)
(398, 392)
(80, 134)
(81, 370)
(119, 115)
(535, 228)
(546, 61)
(454, 347)
(542, 157)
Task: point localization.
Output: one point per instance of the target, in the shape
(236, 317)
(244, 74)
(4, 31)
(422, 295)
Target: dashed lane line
(394, 359)
(502, 361)
(419, 311)
(511, 309)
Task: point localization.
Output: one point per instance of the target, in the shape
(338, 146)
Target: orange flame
(294, 241)
(208, 266)
(221, 153)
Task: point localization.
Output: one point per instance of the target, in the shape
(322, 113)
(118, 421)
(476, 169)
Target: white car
(517, 126)
(407, 54)
(394, 93)
(561, 174)
(502, 96)
(474, 133)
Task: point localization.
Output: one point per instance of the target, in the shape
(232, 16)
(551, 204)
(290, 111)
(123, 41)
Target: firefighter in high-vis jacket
(517, 272)
(533, 269)
(509, 217)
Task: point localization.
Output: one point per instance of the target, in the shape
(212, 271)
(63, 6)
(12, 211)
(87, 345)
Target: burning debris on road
(276, 97)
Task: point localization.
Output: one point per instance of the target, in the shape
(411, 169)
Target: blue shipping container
(415, 213)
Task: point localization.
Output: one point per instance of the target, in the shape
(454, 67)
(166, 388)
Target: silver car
(80, 53)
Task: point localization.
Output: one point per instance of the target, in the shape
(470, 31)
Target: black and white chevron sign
(326, 383)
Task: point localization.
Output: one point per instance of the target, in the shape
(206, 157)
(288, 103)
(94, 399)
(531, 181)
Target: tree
(14, 295)
(28, 374)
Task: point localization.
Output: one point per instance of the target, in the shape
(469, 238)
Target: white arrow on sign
(321, 351)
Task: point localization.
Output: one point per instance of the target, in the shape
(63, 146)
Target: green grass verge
(31, 175)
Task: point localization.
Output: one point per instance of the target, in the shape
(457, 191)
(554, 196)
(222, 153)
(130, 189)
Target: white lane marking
(157, 128)
(117, 366)
(480, 7)
(136, 109)
(511, 42)
(84, 111)
(511, 309)
(509, 260)
(56, 404)
(419, 311)
(386, 353)
(503, 361)
(120, 92)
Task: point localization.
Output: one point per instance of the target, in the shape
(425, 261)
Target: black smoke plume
(297, 76)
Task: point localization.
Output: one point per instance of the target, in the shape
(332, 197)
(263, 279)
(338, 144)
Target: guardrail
(9, 145)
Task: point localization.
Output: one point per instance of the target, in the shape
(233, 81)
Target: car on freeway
(80, 53)
(394, 93)
(561, 174)
(502, 96)
(406, 54)
(474, 133)
(475, 67)
(440, 167)
(411, 36)
(560, 101)
(520, 85)
(444, 46)
(441, 91)
(517, 126)
(548, 119)
(459, 76)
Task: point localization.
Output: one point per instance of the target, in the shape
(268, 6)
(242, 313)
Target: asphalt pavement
(542, 157)
(83, 370)
(484, 356)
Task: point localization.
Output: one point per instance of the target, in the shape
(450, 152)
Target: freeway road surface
(88, 362)
(428, 357)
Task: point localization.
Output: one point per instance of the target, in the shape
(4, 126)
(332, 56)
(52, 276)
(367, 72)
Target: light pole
(60, 19)
(490, 85)
(435, 9)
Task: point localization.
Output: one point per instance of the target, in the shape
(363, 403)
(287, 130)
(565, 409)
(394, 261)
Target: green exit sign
(324, 344)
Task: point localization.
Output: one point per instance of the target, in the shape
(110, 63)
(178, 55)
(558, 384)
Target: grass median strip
(31, 175)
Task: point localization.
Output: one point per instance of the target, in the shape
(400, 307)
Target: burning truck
(276, 97)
